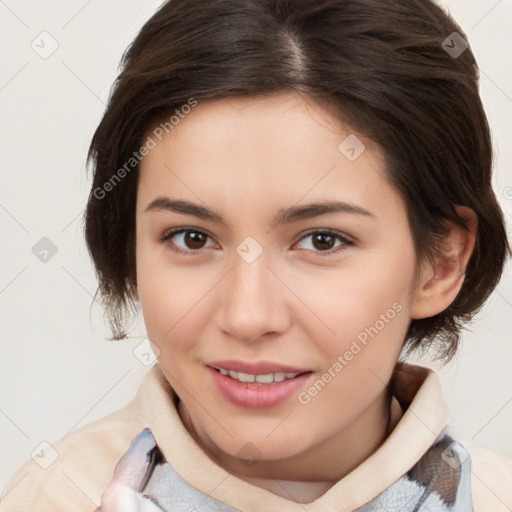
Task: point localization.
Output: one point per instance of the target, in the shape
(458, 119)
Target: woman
(296, 193)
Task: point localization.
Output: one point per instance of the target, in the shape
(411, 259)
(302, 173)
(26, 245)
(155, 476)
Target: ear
(439, 284)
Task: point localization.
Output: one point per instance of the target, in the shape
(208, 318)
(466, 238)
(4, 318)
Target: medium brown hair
(380, 65)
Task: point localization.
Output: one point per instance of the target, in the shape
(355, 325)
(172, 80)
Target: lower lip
(257, 396)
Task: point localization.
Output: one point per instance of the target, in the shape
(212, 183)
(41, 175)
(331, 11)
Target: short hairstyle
(383, 67)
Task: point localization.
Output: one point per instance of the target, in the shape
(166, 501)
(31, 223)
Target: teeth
(245, 377)
(268, 378)
(265, 379)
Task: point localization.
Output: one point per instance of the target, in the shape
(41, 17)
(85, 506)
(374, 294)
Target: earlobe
(440, 282)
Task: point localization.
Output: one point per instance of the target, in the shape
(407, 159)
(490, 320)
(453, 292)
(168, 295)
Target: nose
(253, 301)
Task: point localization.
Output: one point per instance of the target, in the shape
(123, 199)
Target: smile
(260, 385)
(268, 378)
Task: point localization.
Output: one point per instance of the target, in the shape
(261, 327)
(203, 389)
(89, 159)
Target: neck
(306, 476)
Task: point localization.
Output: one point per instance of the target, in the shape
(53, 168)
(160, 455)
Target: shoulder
(491, 480)
(72, 473)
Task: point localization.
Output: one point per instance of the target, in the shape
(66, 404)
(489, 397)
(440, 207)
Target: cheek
(369, 314)
(172, 300)
(366, 300)
(162, 293)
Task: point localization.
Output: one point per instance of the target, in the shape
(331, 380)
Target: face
(266, 246)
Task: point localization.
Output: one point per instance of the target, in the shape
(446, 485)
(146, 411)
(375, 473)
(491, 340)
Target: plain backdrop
(57, 371)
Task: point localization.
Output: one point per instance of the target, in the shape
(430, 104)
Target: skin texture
(299, 303)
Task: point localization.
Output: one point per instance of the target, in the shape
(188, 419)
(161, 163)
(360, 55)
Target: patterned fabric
(145, 482)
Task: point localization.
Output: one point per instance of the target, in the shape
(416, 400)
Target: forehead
(272, 149)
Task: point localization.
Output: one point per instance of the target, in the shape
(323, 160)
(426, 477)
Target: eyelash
(336, 235)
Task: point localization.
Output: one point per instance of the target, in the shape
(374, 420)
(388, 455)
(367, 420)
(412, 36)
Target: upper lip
(259, 368)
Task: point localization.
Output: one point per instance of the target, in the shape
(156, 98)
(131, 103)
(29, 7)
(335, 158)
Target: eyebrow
(287, 216)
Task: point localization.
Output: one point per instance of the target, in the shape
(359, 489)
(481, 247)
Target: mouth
(266, 378)
(257, 385)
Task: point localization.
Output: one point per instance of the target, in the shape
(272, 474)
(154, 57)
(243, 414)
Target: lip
(259, 368)
(258, 396)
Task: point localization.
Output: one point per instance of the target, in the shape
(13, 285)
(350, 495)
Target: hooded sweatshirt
(142, 458)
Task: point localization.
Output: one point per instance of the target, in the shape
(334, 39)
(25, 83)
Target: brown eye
(323, 242)
(194, 240)
(187, 240)
(327, 242)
